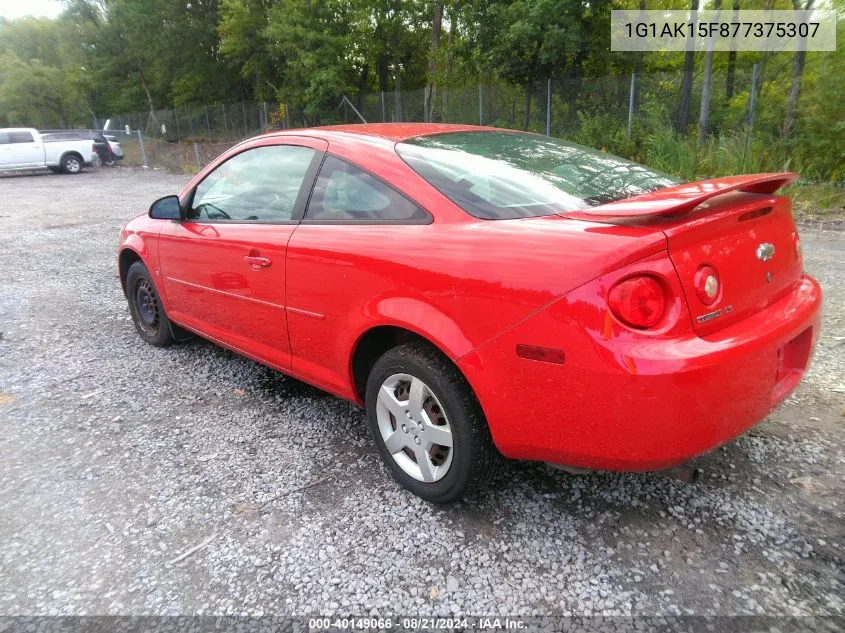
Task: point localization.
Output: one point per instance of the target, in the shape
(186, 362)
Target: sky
(39, 8)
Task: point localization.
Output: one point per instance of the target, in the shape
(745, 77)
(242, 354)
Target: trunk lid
(737, 226)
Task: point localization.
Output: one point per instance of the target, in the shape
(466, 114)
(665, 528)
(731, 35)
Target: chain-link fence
(618, 113)
(177, 157)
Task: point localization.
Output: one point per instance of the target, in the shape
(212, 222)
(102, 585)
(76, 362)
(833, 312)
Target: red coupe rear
(484, 291)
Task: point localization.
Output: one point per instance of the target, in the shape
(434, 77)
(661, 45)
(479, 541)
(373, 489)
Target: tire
(419, 373)
(145, 307)
(71, 163)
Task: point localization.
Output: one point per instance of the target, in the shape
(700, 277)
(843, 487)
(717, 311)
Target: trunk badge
(765, 251)
(704, 318)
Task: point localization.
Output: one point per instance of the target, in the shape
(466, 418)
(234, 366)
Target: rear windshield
(507, 175)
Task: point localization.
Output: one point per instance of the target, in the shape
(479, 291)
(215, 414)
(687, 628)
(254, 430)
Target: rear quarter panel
(456, 284)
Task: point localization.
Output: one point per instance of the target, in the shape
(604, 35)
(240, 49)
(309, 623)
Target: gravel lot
(117, 458)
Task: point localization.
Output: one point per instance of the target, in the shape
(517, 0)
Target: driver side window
(258, 185)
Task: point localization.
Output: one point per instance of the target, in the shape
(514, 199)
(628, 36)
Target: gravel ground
(120, 459)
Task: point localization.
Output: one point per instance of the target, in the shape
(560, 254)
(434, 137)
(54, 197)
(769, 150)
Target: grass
(731, 155)
(817, 203)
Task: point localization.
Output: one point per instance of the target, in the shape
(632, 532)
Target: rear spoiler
(683, 198)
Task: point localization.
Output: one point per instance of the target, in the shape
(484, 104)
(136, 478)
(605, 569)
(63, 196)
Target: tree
(685, 98)
(527, 41)
(798, 63)
(730, 76)
(394, 37)
(40, 81)
(244, 46)
(32, 91)
(436, 26)
(706, 87)
(311, 40)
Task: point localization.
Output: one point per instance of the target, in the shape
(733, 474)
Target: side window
(4, 138)
(20, 137)
(345, 193)
(260, 184)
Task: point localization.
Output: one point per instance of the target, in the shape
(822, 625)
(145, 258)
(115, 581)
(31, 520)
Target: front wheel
(428, 425)
(145, 307)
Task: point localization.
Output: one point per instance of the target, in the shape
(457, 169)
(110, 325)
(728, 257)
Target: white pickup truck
(25, 148)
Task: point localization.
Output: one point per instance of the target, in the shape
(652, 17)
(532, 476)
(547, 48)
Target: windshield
(507, 175)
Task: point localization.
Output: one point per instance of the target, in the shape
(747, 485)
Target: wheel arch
(372, 343)
(133, 249)
(125, 259)
(71, 152)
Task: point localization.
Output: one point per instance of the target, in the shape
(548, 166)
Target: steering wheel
(216, 212)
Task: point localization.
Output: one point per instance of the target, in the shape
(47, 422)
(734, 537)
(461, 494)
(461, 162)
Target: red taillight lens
(638, 301)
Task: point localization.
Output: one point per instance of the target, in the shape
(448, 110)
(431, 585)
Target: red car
(482, 291)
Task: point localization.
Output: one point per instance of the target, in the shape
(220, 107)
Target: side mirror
(166, 208)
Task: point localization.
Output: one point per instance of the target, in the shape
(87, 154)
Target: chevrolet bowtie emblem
(765, 251)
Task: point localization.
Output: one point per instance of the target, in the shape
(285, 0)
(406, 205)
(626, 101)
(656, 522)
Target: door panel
(211, 286)
(223, 266)
(27, 152)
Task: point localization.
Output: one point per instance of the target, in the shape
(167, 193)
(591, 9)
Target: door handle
(257, 263)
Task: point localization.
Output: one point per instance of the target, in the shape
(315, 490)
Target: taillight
(638, 301)
(707, 285)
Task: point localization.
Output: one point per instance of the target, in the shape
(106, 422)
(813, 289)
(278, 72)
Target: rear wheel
(427, 424)
(71, 164)
(145, 307)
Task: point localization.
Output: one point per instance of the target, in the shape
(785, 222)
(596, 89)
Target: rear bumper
(640, 403)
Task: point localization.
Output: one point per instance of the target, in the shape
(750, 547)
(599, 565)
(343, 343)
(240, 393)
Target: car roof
(394, 132)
